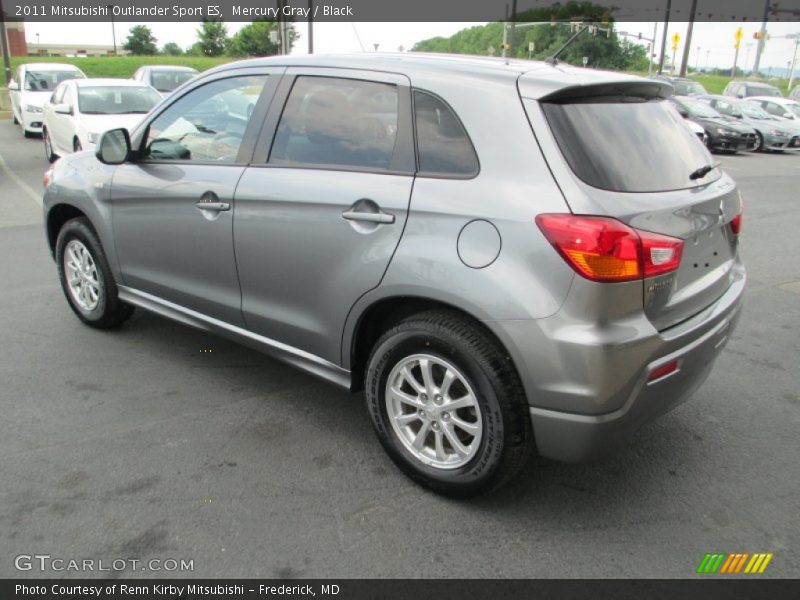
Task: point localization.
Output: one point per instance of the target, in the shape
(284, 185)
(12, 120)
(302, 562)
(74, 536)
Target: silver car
(505, 257)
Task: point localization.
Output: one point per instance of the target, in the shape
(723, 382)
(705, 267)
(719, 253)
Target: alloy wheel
(80, 271)
(434, 411)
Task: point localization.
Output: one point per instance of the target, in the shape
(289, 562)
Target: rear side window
(443, 146)
(628, 144)
(337, 122)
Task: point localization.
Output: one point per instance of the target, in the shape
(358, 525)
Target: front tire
(76, 145)
(447, 404)
(759, 143)
(86, 277)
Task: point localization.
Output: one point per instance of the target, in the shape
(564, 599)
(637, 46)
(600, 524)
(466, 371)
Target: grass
(123, 66)
(715, 84)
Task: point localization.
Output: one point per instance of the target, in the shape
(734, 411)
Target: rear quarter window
(443, 146)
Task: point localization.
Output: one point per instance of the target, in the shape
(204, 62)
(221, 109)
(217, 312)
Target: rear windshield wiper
(701, 172)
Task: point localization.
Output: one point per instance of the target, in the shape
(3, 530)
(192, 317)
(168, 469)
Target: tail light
(605, 249)
(736, 222)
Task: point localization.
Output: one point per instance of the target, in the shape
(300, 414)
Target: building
(73, 50)
(15, 31)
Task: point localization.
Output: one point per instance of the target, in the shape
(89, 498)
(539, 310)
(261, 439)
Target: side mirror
(62, 109)
(13, 86)
(114, 147)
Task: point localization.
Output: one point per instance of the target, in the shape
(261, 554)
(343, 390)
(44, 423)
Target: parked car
(29, 88)
(697, 130)
(683, 86)
(745, 89)
(795, 93)
(772, 133)
(588, 295)
(783, 108)
(164, 78)
(724, 135)
(80, 110)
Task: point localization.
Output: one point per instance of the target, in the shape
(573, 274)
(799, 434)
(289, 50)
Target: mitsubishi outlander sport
(505, 256)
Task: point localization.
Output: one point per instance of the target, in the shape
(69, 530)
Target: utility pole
(763, 38)
(794, 61)
(697, 62)
(664, 38)
(311, 26)
(688, 44)
(4, 48)
(513, 26)
(113, 30)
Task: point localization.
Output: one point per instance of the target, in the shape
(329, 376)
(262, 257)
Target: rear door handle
(371, 217)
(216, 206)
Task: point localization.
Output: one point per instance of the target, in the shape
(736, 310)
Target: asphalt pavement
(157, 441)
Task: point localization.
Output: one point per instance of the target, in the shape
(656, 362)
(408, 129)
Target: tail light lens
(736, 222)
(604, 249)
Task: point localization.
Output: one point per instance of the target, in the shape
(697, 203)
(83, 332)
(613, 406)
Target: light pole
(697, 64)
(794, 61)
(113, 31)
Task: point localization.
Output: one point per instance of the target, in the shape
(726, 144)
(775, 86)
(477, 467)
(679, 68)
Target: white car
(164, 78)
(785, 108)
(697, 130)
(82, 109)
(31, 86)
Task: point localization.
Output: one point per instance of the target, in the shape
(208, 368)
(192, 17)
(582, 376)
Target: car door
(61, 126)
(173, 206)
(321, 209)
(15, 95)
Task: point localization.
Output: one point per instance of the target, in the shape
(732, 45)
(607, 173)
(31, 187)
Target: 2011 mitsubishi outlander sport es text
(503, 255)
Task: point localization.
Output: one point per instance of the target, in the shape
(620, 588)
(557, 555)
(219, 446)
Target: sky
(714, 40)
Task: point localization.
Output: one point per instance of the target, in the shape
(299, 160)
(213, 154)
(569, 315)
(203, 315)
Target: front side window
(116, 100)
(337, 122)
(206, 125)
(46, 81)
(726, 108)
(628, 144)
(443, 146)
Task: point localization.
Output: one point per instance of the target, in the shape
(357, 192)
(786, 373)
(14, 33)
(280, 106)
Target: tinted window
(683, 88)
(337, 122)
(167, 81)
(726, 108)
(45, 81)
(627, 144)
(442, 144)
(763, 90)
(206, 125)
(116, 100)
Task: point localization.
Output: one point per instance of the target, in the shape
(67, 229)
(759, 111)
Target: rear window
(684, 88)
(763, 90)
(628, 144)
(167, 81)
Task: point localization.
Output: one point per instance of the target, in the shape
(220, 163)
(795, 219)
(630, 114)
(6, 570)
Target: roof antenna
(553, 60)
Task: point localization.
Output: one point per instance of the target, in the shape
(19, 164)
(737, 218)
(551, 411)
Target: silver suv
(503, 256)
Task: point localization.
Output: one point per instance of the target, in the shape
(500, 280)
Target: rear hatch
(629, 156)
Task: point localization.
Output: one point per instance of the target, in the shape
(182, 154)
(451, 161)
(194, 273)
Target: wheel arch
(56, 217)
(375, 317)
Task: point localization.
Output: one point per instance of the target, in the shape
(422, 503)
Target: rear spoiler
(646, 89)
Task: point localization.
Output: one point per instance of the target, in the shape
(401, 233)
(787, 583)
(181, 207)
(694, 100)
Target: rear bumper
(598, 397)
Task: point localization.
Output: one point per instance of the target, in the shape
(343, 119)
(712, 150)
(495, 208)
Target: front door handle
(371, 217)
(216, 206)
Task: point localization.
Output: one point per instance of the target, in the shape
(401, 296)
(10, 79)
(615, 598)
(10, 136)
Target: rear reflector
(604, 249)
(663, 370)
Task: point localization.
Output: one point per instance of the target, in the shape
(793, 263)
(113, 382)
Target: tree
(253, 39)
(141, 41)
(171, 49)
(213, 38)
(602, 49)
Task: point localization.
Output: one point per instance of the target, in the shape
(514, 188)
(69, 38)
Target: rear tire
(76, 145)
(14, 118)
(491, 438)
(86, 277)
(48, 147)
(759, 143)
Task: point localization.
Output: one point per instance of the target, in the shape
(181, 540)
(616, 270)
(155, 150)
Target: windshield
(755, 113)
(684, 88)
(628, 145)
(46, 81)
(700, 109)
(167, 81)
(116, 100)
(763, 90)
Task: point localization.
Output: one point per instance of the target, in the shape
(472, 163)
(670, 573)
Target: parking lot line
(31, 193)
